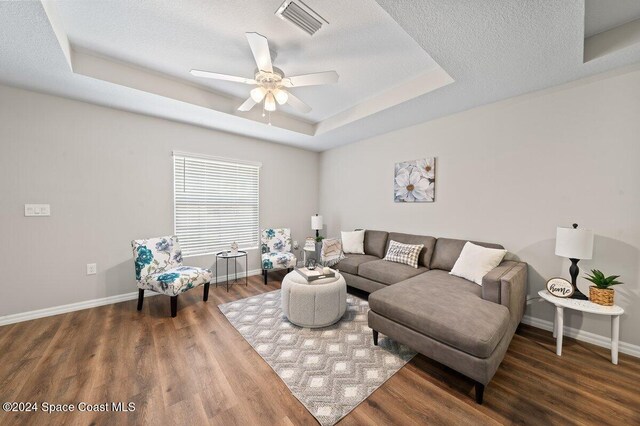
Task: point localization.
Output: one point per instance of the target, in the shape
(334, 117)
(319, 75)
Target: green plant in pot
(602, 293)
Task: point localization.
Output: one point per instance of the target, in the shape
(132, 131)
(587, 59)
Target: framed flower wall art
(415, 181)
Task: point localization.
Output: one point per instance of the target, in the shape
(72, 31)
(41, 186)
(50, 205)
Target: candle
(326, 270)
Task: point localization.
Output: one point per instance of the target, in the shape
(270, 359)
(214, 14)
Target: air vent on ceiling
(300, 15)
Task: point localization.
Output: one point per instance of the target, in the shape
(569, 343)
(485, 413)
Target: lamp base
(577, 294)
(573, 271)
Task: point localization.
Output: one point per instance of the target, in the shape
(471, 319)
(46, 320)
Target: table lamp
(316, 223)
(575, 244)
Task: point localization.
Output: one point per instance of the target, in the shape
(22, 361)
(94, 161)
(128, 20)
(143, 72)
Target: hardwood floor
(197, 369)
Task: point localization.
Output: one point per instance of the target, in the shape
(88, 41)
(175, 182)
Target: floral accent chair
(276, 250)
(158, 264)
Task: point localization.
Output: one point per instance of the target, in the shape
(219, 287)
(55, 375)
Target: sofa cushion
(443, 279)
(446, 308)
(375, 243)
(387, 272)
(447, 251)
(352, 261)
(425, 255)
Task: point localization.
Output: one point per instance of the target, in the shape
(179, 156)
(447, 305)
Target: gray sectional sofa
(446, 318)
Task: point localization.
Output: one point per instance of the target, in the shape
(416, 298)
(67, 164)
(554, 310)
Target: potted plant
(600, 293)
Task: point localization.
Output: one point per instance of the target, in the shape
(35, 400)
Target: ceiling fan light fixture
(281, 96)
(258, 94)
(270, 81)
(269, 102)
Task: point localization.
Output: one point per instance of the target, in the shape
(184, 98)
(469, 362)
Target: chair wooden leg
(206, 292)
(264, 273)
(375, 337)
(479, 392)
(140, 298)
(174, 306)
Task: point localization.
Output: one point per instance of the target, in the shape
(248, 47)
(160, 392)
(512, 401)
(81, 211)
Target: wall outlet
(92, 268)
(37, 210)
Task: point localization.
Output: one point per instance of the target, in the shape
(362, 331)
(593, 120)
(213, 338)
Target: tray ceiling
(400, 62)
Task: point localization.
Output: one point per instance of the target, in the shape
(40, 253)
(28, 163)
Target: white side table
(583, 306)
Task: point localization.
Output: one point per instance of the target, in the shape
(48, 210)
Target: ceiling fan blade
(247, 105)
(260, 49)
(297, 103)
(207, 74)
(326, 77)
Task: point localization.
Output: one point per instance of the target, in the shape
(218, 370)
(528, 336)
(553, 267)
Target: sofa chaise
(449, 319)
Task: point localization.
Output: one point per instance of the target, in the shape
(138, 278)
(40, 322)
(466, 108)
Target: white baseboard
(584, 336)
(78, 306)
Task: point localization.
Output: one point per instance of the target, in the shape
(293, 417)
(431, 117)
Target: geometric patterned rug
(330, 370)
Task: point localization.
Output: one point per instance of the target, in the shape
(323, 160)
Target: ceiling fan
(271, 82)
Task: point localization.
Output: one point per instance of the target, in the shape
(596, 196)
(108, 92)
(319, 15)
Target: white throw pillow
(353, 242)
(475, 262)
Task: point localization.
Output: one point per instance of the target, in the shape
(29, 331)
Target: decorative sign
(310, 243)
(560, 287)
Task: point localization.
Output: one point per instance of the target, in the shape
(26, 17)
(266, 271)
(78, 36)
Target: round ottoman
(316, 304)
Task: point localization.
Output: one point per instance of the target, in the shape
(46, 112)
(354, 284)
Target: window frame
(226, 161)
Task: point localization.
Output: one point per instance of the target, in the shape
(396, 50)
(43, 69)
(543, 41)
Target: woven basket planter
(601, 296)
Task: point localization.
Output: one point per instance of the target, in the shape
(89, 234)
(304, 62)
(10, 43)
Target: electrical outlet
(92, 268)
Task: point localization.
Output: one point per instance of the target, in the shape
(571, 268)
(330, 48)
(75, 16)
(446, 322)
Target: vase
(601, 296)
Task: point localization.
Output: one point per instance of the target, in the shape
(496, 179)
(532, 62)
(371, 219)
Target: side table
(583, 306)
(229, 255)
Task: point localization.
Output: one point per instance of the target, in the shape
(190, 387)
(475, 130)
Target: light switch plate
(92, 268)
(37, 210)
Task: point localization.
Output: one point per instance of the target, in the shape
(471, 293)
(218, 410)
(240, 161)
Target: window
(215, 203)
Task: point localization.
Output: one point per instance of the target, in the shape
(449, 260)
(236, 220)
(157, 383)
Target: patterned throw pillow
(403, 253)
(331, 252)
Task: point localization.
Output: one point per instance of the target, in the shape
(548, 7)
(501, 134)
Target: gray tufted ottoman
(319, 304)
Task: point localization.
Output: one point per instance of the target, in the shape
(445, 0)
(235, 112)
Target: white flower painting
(415, 181)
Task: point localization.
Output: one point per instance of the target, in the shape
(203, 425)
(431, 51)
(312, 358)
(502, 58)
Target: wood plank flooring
(196, 369)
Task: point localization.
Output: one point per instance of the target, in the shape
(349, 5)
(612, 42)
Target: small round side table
(583, 306)
(227, 254)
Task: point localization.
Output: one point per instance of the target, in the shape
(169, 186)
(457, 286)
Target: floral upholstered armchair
(276, 250)
(158, 264)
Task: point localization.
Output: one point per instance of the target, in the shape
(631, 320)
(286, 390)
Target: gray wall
(510, 173)
(108, 177)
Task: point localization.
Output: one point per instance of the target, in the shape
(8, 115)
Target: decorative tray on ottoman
(315, 274)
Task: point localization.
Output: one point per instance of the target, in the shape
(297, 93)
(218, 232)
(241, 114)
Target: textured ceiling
(493, 50)
(362, 43)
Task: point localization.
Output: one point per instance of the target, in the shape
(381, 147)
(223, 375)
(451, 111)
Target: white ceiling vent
(300, 15)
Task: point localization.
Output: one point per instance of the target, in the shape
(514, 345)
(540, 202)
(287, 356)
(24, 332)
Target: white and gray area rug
(330, 370)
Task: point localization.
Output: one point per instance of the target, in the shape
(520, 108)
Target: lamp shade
(574, 243)
(316, 222)
(258, 94)
(281, 96)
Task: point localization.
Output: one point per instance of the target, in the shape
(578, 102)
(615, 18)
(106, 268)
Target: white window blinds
(215, 202)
